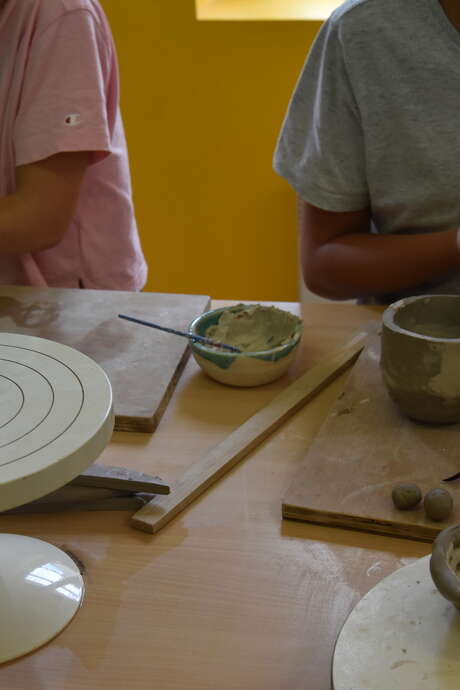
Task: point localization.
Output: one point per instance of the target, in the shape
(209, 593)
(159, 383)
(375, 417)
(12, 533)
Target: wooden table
(227, 596)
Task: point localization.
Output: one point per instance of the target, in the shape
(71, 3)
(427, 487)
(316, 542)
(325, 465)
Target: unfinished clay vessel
(445, 564)
(420, 358)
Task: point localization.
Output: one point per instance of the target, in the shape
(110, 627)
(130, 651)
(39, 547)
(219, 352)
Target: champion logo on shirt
(72, 119)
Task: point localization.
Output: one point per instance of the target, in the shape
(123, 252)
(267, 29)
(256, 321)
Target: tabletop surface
(228, 596)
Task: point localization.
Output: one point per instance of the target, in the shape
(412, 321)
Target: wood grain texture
(363, 449)
(155, 514)
(143, 365)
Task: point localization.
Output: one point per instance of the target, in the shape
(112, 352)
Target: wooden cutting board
(363, 449)
(143, 364)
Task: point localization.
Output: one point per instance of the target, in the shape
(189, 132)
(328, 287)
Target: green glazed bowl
(245, 368)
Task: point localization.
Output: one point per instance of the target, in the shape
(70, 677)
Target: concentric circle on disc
(402, 634)
(55, 416)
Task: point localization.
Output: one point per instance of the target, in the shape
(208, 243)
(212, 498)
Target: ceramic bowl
(445, 564)
(420, 358)
(248, 368)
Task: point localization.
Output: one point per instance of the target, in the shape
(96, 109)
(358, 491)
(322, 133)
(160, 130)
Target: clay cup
(420, 357)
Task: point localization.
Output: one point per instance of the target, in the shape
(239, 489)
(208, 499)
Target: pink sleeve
(64, 103)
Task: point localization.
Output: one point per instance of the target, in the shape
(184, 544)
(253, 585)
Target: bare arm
(38, 213)
(341, 259)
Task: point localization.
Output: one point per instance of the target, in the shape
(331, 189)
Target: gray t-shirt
(373, 121)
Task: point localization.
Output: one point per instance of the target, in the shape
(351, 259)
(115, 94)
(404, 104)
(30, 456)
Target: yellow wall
(202, 104)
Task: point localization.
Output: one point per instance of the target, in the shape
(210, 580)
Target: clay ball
(406, 495)
(438, 504)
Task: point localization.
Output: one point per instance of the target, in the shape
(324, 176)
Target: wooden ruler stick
(159, 511)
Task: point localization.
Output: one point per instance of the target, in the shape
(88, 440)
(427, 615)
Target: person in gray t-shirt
(371, 144)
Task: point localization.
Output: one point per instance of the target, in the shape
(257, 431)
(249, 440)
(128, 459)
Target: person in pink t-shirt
(66, 211)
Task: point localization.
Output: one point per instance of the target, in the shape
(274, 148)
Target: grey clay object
(438, 504)
(420, 358)
(406, 496)
(445, 564)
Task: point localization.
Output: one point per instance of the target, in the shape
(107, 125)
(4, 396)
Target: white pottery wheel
(403, 633)
(56, 417)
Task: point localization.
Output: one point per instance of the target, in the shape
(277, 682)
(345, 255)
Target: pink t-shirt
(59, 92)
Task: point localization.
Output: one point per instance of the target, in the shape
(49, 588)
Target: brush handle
(194, 338)
(453, 478)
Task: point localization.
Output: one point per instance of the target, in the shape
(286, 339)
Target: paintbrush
(451, 479)
(190, 336)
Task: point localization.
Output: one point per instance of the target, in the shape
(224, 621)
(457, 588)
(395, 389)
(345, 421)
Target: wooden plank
(363, 449)
(225, 455)
(143, 365)
(119, 478)
(100, 487)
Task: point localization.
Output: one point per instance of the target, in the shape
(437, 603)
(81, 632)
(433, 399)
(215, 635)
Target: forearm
(364, 264)
(21, 229)
(37, 215)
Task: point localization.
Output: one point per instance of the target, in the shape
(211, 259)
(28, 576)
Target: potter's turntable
(403, 633)
(55, 419)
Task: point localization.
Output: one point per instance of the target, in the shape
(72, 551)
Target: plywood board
(363, 449)
(143, 365)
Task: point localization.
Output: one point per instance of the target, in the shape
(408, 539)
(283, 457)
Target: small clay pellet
(406, 495)
(438, 504)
